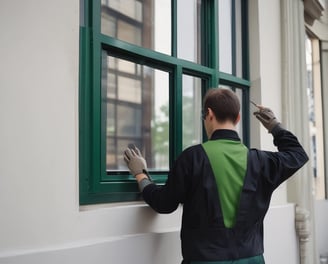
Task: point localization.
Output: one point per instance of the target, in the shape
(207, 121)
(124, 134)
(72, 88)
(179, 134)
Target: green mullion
(245, 72)
(96, 16)
(212, 24)
(176, 113)
(217, 34)
(233, 37)
(84, 112)
(205, 35)
(100, 106)
(246, 117)
(245, 39)
(97, 157)
(214, 81)
(125, 176)
(150, 57)
(229, 79)
(97, 198)
(98, 161)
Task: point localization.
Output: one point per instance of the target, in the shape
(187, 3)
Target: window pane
(239, 93)
(316, 123)
(225, 36)
(191, 115)
(136, 102)
(239, 48)
(239, 126)
(230, 37)
(138, 22)
(189, 30)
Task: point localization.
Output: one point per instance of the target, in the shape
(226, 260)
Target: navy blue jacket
(191, 182)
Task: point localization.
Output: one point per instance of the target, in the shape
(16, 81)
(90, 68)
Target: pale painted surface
(321, 218)
(265, 70)
(41, 221)
(159, 247)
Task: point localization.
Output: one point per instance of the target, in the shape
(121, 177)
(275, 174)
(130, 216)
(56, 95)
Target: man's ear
(210, 113)
(237, 119)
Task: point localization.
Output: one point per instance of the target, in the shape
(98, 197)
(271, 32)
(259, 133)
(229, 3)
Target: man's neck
(226, 125)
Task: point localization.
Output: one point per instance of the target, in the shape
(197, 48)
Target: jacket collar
(225, 134)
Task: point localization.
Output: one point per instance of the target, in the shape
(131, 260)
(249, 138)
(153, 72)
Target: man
(224, 187)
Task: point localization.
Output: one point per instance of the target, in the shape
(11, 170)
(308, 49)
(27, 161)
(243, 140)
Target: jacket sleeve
(166, 198)
(290, 157)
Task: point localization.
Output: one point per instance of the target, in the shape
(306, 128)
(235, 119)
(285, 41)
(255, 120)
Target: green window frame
(97, 185)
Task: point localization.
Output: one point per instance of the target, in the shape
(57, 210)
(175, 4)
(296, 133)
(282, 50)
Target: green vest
(228, 159)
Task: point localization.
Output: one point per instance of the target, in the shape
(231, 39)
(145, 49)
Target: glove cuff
(273, 125)
(143, 183)
(276, 129)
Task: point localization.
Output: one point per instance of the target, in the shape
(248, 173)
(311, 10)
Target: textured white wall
(161, 247)
(40, 215)
(38, 108)
(265, 73)
(39, 68)
(321, 219)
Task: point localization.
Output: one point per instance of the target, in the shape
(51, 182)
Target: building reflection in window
(136, 99)
(139, 22)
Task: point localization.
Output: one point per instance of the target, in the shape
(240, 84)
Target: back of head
(224, 103)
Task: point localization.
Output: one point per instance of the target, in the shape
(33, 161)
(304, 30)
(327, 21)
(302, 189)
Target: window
(145, 66)
(313, 67)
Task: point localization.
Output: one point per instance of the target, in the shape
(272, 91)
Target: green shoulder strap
(228, 159)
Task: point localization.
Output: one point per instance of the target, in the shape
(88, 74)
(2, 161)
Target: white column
(295, 112)
(324, 83)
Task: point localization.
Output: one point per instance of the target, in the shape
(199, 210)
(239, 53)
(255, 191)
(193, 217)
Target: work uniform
(222, 219)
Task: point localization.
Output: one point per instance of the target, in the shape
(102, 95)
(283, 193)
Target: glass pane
(239, 93)
(138, 22)
(239, 126)
(239, 48)
(189, 30)
(191, 116)
(230, 37)
(225, 36)
(316, 123)
(136, 103)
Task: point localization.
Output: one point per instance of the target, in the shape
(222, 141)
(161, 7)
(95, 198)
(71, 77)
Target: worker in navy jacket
(225, 188)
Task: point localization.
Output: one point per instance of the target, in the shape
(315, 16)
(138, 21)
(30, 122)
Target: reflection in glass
(135, 99)
(189, 30)
(316, 110)
(191, 115)
(238, 39)
(230, 37)
(138, 22)
(239, 93)
(225, 36)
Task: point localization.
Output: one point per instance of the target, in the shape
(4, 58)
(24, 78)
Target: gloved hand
(134, 160)
(267, 118)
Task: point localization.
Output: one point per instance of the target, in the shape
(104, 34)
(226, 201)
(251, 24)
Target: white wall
(158, 247)
(265, 71)
(39, 66)
(41, 221)
(321, 218)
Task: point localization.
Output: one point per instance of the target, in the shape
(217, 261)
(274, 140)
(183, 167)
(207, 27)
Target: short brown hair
(224, 103)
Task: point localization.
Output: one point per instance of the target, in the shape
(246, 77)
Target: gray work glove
(134, 160)
(267, 118)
